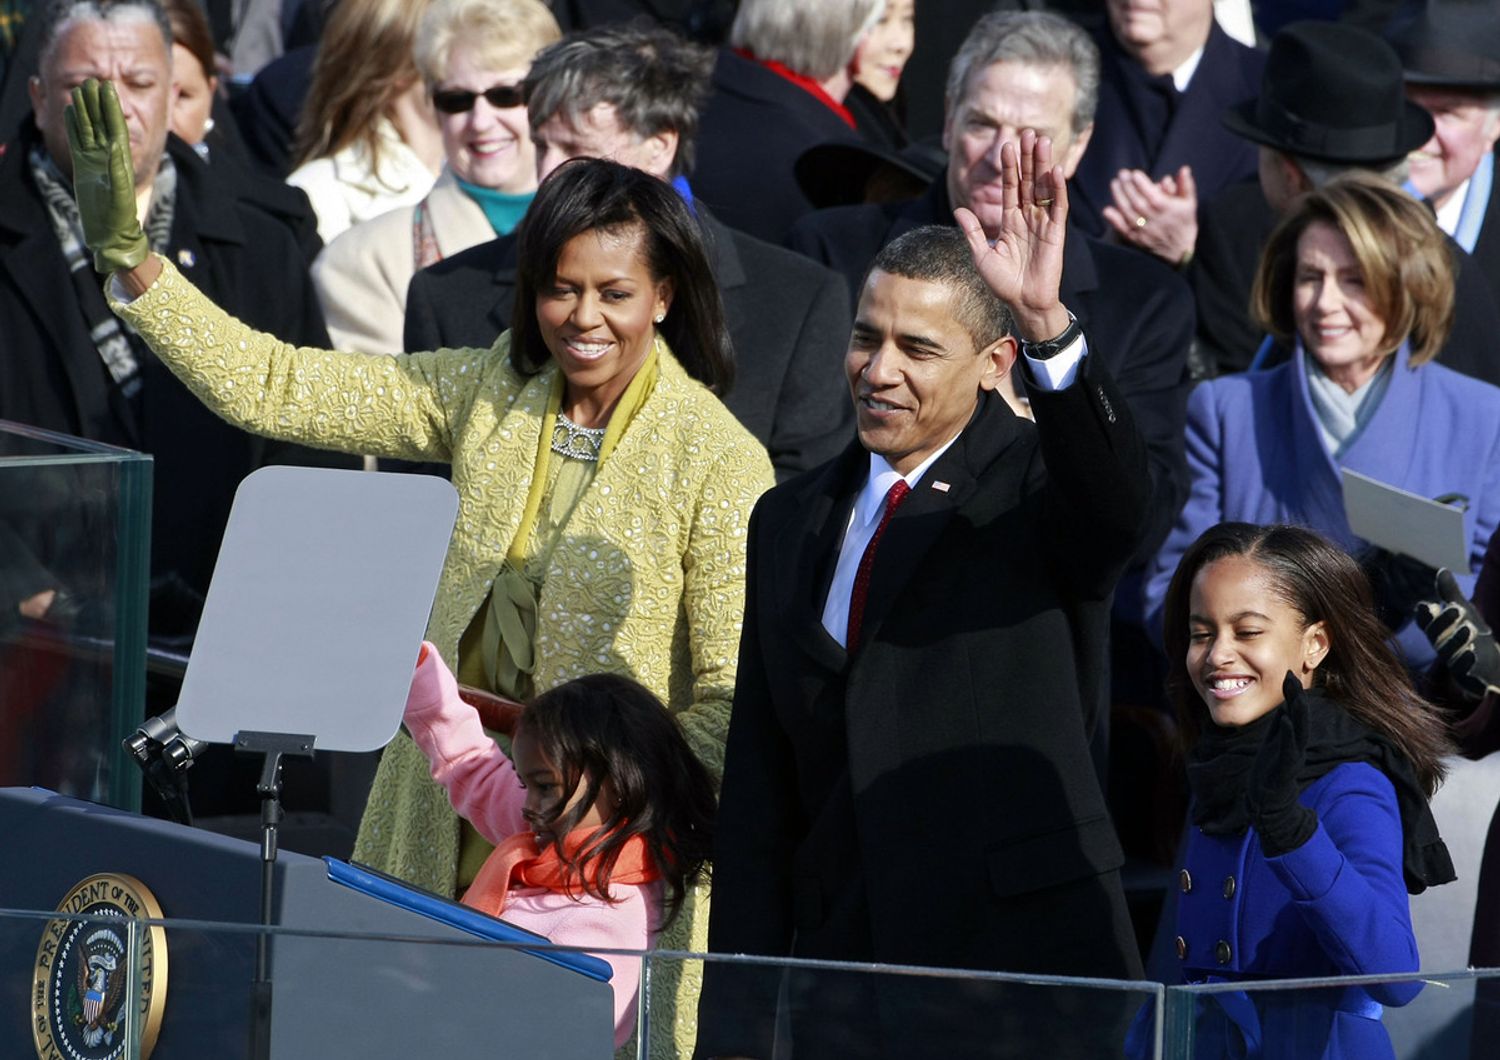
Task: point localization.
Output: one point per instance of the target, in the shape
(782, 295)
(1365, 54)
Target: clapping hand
(103, 178)
(1023, 265)
(1464, 641)
(1159, 217)
(1281, 821)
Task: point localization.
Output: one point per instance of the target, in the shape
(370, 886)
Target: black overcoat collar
(810, 538)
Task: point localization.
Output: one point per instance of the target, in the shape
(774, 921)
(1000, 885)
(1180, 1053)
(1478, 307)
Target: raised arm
(387, 406)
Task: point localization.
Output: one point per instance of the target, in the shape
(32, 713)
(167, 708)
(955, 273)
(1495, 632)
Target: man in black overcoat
(67, 368)
(633, 94)
(1450, 56)
(1165, 74)
(907, 775)
(1144, 306)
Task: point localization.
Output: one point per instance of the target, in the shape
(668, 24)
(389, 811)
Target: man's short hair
(656, 81)
(1030, 38)
(940, 254)
(58, 13)
(1319, 174)
(815, 38)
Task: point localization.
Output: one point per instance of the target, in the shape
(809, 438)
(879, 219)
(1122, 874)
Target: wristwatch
(1047, 348)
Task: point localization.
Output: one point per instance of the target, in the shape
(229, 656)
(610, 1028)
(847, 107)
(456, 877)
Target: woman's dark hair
(595, 194)
(1321, 583)
(606, 727)
(191, 30)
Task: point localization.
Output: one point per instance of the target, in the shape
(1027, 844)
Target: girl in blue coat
(1311, 758)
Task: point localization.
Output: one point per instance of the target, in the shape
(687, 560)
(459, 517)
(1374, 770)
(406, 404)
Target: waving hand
(1023, 265)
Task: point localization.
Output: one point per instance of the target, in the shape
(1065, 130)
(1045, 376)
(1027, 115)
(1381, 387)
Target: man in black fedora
(1450, 56)
(1332, 101)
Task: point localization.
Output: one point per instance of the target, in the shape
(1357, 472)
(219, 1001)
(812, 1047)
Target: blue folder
(378, 884)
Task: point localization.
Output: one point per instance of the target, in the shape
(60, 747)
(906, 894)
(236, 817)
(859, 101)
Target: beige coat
(362, 275)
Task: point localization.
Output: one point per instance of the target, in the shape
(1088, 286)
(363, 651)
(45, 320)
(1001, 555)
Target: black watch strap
(1049, 348)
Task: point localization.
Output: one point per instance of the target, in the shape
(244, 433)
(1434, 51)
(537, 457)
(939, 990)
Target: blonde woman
(472, 56)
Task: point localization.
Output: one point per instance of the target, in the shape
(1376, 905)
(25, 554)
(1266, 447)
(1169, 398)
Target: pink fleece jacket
(484, 789)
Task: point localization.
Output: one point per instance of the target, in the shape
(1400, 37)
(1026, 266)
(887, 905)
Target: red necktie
(893, 498)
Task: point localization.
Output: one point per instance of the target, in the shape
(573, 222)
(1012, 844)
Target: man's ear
(1000, 358)
(1295, 178)
(1076, 149)
(661, 153)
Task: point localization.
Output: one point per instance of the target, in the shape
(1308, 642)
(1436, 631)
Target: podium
(405, 995)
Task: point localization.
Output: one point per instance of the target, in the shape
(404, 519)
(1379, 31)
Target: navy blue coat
(1140, 125)
(1336, 905)
(755, 126)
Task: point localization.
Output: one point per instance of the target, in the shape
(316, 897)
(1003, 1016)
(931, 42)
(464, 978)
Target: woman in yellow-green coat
(604, 491)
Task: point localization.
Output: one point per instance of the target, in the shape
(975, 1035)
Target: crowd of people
(870, 507)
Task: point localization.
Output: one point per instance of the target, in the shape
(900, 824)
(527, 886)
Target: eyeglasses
(458, 100)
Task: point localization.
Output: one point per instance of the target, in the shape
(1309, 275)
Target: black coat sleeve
(755, 835)
(814, 415)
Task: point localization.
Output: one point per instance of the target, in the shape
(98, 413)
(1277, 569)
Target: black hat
(1332, 93)
(843, 172)
(1453, 45)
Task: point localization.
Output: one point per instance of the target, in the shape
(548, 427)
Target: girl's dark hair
(1321, 583)
(606, 727)
(595, 194)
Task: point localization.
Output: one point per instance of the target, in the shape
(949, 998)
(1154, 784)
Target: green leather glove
(103, 178)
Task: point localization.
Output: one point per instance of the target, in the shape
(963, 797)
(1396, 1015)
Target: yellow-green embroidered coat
(648, 579)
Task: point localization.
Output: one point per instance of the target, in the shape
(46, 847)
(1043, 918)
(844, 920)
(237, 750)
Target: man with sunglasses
(634, 95)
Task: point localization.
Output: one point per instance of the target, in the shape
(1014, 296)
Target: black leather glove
(1398, 582)
(1271, 795)
(1464, 641)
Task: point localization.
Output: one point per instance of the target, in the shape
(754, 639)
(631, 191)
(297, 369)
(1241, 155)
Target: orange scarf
(519, 862)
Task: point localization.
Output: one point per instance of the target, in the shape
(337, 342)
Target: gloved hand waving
(1282, 822)
(1464, 641)
(103, 178)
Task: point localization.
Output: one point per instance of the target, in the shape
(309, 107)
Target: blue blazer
(1336, 905)
(1254, 454)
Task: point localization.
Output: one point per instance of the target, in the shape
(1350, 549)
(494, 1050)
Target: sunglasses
(458, 100)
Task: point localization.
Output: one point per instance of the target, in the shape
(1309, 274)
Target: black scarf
(1218, 770)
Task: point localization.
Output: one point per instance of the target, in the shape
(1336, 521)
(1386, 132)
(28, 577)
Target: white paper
(1404, 522)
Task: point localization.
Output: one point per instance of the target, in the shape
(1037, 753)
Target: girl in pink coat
(601, 818)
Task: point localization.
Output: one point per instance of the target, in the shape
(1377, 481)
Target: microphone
(160, 737)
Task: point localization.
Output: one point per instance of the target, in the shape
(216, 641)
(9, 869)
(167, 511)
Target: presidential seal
(82, 973)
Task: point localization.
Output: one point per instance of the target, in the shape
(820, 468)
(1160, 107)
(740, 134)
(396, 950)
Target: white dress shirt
(1055, 373)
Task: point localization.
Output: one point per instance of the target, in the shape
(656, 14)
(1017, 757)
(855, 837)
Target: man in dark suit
(777, 91)
(1331, 102)
(1008, 75)
(68, 366)
(1450, 56)
(907, 773)
(632, 94)
(1167, 71)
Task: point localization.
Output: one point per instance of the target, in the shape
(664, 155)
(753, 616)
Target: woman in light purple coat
(1358, 274)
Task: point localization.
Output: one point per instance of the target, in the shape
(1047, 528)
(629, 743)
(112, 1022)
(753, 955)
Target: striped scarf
(110, 336)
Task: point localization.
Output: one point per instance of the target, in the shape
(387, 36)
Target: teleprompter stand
(274, 746)
(309, 634)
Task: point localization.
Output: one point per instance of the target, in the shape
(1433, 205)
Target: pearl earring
(660, 317)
